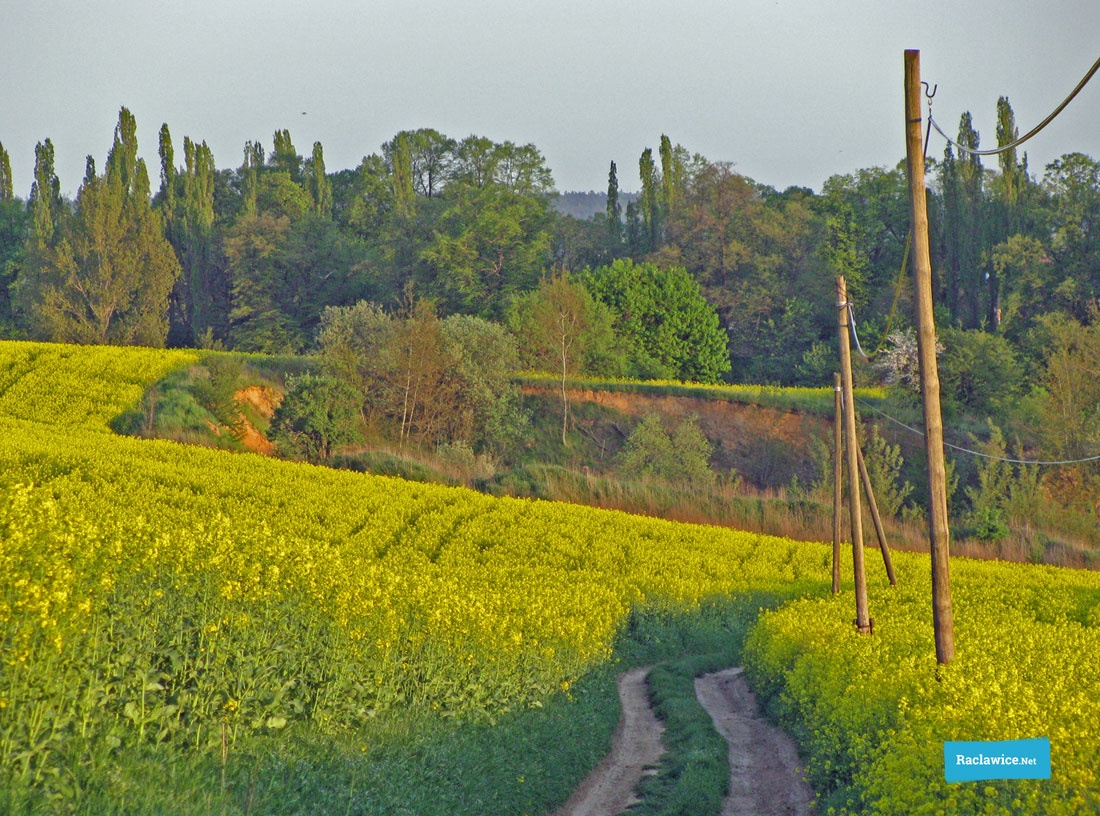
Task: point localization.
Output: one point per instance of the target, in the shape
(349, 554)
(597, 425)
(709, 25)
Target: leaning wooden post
(876, 518)
(863, 620)
(939, 534)
(838, 476)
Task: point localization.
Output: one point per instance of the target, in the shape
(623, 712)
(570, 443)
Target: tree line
(249, 258)
(704, 274)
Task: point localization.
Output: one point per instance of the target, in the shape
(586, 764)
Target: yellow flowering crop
(165, 593)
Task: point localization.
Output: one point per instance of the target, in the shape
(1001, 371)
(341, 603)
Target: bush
(317, 415)
(680, 458)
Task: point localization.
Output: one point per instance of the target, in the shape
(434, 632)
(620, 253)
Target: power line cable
(919, 432)
(1026, 136)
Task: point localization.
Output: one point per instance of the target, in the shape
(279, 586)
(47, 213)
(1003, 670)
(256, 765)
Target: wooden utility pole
(863, 620)
(876, 518)
(838, 476)
(939, 534)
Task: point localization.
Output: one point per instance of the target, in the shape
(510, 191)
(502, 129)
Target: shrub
(317, 415)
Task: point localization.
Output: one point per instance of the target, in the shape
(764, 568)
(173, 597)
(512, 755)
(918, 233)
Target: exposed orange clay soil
(264, 400)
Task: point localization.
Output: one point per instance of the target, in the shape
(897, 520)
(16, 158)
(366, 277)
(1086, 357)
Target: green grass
(693, 775)
(819, 401)
(410, 762)
(525, 762)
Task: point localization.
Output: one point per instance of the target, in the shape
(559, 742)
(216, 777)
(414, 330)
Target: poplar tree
(672, 176)
(949, 184)
(249, 175)
(200, 298)
(1007, 190)
(167, 196)
(971, 224)
(1013, 175)
(6, 193)
(122, 160)
(403, 193)
(614, 210)
(45, 198)
(650, 205)
(13, 226)
(320, 188)
(108, 273)
(285, 157)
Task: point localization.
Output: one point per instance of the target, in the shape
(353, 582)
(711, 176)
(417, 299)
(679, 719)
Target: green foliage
(442, 381)
(1071, 407)
(873, 734)
(669, 328)
(485, 360)
(562, 329)
(490, 244)
(283, 273)
(104, 274)
(214, 388)
(7, 194)
(681, 457)
(317, 415)
(979, 372)
(884, 466)
(14, 226)
(351, 341)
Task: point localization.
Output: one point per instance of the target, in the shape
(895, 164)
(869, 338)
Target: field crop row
(174, 595)
(180, 598)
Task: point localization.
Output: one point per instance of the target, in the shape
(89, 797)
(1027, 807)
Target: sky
(790, 92)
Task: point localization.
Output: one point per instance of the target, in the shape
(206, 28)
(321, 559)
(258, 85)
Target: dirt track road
(609, 788)
(765, 772)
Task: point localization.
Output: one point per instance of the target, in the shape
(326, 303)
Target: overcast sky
(789, 91)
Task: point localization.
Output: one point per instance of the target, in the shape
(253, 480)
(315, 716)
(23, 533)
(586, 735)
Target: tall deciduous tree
(200, 299)
(489, 244)
(971, 226)
(13, 236)
(672, 176)
(614, 210)
(651, 205)
(249, 176)
(166, 198)
(561, 327)
(285, 158)
(404, 192)
(45, 199)
(108, 274)
(1074, 182)
(6, 192)
(253, 250)
(320, 188)
(662, 316)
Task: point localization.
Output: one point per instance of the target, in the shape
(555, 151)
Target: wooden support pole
(939, 534)
(838, 478)
(876, 518)
(851, 443)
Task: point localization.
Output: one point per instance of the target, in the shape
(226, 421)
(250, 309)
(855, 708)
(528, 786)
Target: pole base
(869, 629)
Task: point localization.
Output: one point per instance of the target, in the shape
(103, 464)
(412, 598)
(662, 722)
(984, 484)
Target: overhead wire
(979, 453)
(897, 292)
(1016, 143)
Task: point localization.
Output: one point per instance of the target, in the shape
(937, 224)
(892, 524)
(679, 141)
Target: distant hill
(583, 206)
